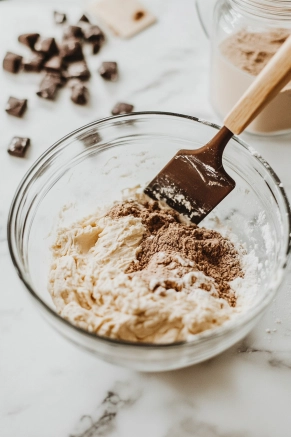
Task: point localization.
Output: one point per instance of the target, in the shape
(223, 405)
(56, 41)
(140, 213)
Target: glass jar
(244, 36)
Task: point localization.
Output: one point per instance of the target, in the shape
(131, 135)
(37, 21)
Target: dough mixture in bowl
(138, 272)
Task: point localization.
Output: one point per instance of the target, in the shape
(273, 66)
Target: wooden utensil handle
(274, 76)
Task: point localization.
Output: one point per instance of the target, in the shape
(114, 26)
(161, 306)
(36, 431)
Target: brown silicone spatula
(195, 181)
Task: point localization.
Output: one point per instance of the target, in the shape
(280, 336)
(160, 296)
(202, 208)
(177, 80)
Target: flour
(169, 298)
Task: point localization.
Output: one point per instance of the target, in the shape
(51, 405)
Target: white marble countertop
(48, 387)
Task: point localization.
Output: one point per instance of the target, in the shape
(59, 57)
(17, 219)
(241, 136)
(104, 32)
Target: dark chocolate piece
(90, 138)
(53, 65)
(93, 33)
(96, 46)
(122, 108)
(18, 146)
(59, 17)
(78, 70)
(73, 32)
(12, 62)
(16, 107)
(73, 82)
(28, 39)
(79, 94)
(46, 46)
(49, 86)
(71, 50)
(109, 71)
(33, 64)
(84, 19)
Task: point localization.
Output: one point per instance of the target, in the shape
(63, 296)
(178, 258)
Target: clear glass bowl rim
(199, 338)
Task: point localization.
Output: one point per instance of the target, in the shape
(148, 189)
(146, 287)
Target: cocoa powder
(211, 253)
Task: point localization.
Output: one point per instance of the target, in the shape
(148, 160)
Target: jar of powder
(245, 34)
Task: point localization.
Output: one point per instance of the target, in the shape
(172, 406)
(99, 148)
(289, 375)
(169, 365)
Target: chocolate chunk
(109, 71)
(16, 107)
(12, 62)
(79, 94)
(28, 39)
(122, 108)
(33, 64)
(96, 46)
(18, 146)
(93, 33)
(78, 70)
(53, 65)
(73, 32)
(59, 17)
(71, 50)
(46, 46)
(90, 138)
(84, 19)
(49, 86)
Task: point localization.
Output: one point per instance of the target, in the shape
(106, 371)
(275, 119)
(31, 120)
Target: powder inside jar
(236, 61)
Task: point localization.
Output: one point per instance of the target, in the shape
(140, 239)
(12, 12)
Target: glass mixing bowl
(91, 166)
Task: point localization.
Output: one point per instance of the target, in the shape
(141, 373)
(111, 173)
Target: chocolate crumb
(109, 71)
(78, 70)
(28, 39)
(54, 65)
(12, 62)
(59, 17)
(93, 34)
(71, 50)
(122, 108)
(46, 46)
(49, 86)
(96, 46)
(73, 32)
(16, 107)
(79, 94)
(33, 64)
(84, 19)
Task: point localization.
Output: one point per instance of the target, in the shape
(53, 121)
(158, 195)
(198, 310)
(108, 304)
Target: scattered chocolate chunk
(16, 107)
(59, 17)
(33, 64)
(122, 108)
(84, 19)
(90, 138)
(71, 50)
(77, 69)
(79, 94)
(46, 46)
(53, 65)
(28, 39)
(49, 86)
(109, 71)
(73, 82)
(12, 62)
(96, 46)
(73, 32)
(93, 33)
(18, 146)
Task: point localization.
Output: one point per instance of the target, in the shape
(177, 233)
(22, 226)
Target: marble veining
(48, 387)
(103, 420)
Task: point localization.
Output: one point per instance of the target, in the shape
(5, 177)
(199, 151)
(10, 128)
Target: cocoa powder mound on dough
(251, 51)
(211, 253)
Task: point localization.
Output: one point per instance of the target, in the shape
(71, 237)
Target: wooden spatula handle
(275, 75)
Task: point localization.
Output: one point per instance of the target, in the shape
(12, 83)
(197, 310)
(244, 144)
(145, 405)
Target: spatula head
(192, 183)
